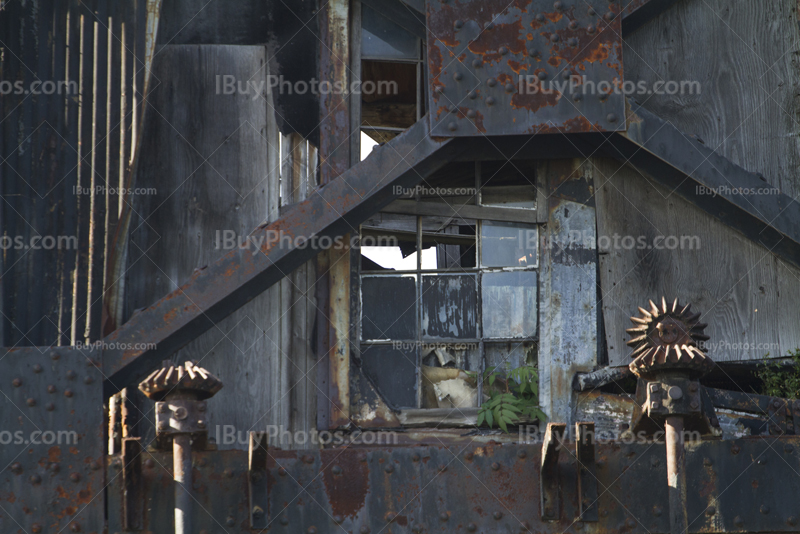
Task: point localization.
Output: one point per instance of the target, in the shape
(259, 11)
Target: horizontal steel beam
(216, 291)
(638, 12)
(737, 197)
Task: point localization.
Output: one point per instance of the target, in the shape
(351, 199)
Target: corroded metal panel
(521, 67)
(51, 441)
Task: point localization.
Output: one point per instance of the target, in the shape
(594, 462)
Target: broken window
(447, 292)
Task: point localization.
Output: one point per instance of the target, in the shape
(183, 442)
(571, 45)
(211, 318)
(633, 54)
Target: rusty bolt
(415, 457)
(573, 42)
(674, 392)
(181, 413)
(472, 527)
(592, 12)
(444, 516)
(284, 520)
(390, 517)
(308, 459)
(735, 449)
(54, 355)
(149, 463)
(312, 530)
(498, 515)
(539, 18)
(609, 16)
(51, 389)
(75, 527)
(521, 453)
(510, 88)
(88, 380)
(694, 405)
(555, 38)
(37, 368)
(503, 50)
(35, 479)
(68, 393)
(162, 407)
(495, 466)
(53, 467)
(707, 462)
(490, 26)
(776, 404)
(630, 523)
(230, 521)
(338, 519)
(791, 520)
(710, 511)
(458, 76)
(389, 468)
(590, 29)
(364, 530)
(162, 425)
(559, 5)
(613, 118)
(36, 527)
(95, 466)
(573, 25)
(692, 387)
(490, 101)
(764, 509)
(201, 423)
(477, 63)
(201, 406)
(49, 406)
(472, 114)
(336, 470)
(452, 126)
(31, 402)
(71, 374)
(491, 82)
(75, 477)
(458, 24)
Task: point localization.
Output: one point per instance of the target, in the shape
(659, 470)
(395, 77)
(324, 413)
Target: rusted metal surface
(550, 500)
(492, 65)
(133, 500)
(743, 201)
(587, 477)
(259, 491)
(182, 469)
(339, 353)
(230, 282)
(52, 436)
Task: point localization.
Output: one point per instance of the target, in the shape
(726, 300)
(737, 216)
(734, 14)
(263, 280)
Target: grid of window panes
(445, 297)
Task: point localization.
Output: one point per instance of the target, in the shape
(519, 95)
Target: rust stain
(347, 495)
(490, 42)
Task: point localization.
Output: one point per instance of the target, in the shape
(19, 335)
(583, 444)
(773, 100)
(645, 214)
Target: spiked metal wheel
(668, 337)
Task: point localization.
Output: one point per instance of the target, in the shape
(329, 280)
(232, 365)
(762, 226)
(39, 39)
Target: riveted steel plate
(51, 441)
(499, 67)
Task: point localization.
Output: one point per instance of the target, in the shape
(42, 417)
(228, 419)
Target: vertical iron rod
(182, 465)
(676, 476)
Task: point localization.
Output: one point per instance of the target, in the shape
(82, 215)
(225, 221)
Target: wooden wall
(219, 163)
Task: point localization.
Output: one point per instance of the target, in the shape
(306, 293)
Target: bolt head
(338, 519)
(336, 470)
(555, 38)
(389, 468)
(613, 118)
(590, 29)
(791, 520)
(31, 402)
(573, 25)
(657, 511)
(490, 101)
(53, 467)
(308, 459)
(364, 530)
(54, 355)
(74, 527)
(68, 393)
(230, 521)
(162, 425)
(51, 389)
(444, 516)
(75, 477)
(471, 114)
(390, 517)
(707, 462)
(181, 413)
(472, 527)
(201, 406)
(521, 453)
(37, 368)
(764, 509)
(71, 374)
(458, 76)
(477, 63)
(710, 511)
(149, 463)
(88, 380)
(36, 527)
(452, 126)
(201, 423)
(503, 50)
(498, 515)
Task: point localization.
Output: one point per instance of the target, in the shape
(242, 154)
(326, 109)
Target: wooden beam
(441, 209)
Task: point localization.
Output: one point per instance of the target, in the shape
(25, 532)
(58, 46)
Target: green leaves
(781, 380)
(520, 400)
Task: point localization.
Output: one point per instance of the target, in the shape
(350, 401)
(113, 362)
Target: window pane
(393, 372)
(383, 38)
(510, 355)
(509, 244)
(449, 306)
(509, 304)
(388, 307)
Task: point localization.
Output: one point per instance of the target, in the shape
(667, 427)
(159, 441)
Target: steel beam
(737, 197)
(216, 291)
(638, 12)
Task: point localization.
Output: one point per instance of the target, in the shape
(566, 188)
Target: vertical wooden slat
(284, 354)
(98, 178)
(114, 171)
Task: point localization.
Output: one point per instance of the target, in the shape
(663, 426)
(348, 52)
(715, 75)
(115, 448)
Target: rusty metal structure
(487, 76)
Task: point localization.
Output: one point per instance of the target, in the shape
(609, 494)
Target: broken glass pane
(505, 244)
(449, 306)
(393, 371)
(388, 307)
(508, 356)
(509, 304)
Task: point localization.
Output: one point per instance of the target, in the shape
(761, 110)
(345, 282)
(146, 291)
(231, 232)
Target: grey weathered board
(215, 161)
(742, 290)
(743, 53)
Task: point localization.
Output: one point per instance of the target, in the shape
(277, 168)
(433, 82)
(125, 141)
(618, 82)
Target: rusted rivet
(558, 5)
(284, 520)
(630, 523)
(162, 407)
(471, 114)
(694, 405)
(657, 511)
(338, 519)
(735, 449)
(364, 530)
(442, 468)
(201, 407)
(477, 63)
(389, 468)
(710, 511)
(776, 404)
(764, 509)
(68, 393)
(415, 457)
(201, 423)
(521, 453)
(539, 18)
(282, 472)
(439, 89)
(311, 530)
(491, 82)
(458, 76)
(75, 527)
(692, 387)
(390, 517)
(533, 53)
(590, 29)
(573, 42)
(555, 38)
(71, 374)
(592, 12)
(35, 479)
(473, 95)
(37, 368)
(453, 108)
(472, 527)
(498, 515)
(53, 467)
(31, 402)
(490, 26)
(469, 456)
(444, 516)
(503, 50)
(16, 468)
(510, 88)
(791, 520)
(336, 470)
(613, 118)
(149, 463)
(452, 127)
(609, 16)
(16, 382)
(88, 380)
(230, 521)
(654, 462)
(75, 477)
(542, 75)
(495, 466)
(490, 101)
(51, 389)
(573, 25)
(36, 527)
(181, 413)
(458, 24)
(707, 462)
(54, 355)
(95, 466)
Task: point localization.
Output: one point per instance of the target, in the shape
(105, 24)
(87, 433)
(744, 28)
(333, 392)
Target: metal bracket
(257, 480)
(183, 416)
(548, 475)
(587, 480)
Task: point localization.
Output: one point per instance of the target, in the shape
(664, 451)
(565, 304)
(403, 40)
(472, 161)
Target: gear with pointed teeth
(186, 378)
(668, 337)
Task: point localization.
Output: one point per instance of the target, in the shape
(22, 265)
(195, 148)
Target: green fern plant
(515, 399)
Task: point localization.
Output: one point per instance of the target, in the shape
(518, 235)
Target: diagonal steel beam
(637, 12)
(218, 290)
(739, 198)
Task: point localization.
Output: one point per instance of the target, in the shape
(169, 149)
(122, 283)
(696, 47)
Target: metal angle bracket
(587, 479)
(523, 67)
(549, 472)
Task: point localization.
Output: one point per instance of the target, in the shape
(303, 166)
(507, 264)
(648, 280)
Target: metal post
(182, 466)
(676, 475)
